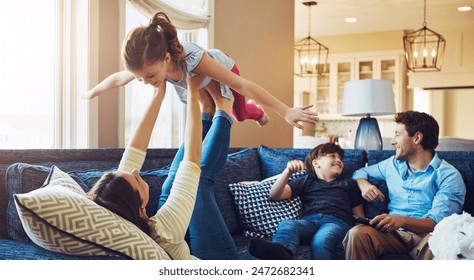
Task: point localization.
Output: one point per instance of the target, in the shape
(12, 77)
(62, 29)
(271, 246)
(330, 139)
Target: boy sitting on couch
(329, 202)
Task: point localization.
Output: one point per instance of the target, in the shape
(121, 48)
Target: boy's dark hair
(420, 122)
(322, 150)
(116, 194)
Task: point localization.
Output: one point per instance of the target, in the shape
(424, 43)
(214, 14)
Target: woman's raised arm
(193, 130)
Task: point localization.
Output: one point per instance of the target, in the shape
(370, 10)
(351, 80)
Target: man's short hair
(420, 122)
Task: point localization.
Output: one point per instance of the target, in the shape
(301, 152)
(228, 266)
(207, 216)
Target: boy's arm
(280, 189)
(115, 80)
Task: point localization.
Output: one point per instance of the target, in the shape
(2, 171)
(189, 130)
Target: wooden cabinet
(327, 94)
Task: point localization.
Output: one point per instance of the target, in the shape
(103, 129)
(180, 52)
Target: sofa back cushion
(274, 160)
(462, 161)
(240, 166)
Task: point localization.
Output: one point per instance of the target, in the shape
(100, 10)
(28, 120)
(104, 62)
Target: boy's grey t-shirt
(194, 55)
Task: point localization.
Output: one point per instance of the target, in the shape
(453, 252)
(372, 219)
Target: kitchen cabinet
(329, 88)
(326, 91)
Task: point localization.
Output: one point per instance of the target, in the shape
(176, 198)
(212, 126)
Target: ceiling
(327, 17)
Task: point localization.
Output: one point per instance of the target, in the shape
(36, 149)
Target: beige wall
(364, 42)
(259, 35)
(453, 111)
(109, 62)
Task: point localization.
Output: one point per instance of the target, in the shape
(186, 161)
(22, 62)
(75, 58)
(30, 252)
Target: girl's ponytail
(149, 44)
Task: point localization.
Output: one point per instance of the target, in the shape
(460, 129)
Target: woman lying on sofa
(126, 193)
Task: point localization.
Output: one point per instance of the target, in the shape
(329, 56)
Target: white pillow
(60, 218)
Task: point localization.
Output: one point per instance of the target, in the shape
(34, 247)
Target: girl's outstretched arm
(211, 68)
(115, 80)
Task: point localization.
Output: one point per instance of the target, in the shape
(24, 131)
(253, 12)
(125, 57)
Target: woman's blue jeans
(209, 238)
(323, 232)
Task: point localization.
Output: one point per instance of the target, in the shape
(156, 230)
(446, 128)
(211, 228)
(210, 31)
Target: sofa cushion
(240, 166)
(23, 178)
(259, 214)
(464, 163)
(274, 160)
(15, 250)
(60, 218)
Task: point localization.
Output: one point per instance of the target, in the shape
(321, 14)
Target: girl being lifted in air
(158, 42)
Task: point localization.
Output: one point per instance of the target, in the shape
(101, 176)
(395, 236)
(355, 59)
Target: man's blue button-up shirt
(435, 192)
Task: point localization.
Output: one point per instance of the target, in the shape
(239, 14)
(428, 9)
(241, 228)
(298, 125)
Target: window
(169, 127)
(47, 63)
(27, 73)
(43, 74)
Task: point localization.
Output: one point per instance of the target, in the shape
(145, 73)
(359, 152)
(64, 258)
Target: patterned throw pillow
(259, 214)
(60, 218)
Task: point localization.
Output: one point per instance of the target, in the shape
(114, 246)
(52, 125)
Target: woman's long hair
(116, 194)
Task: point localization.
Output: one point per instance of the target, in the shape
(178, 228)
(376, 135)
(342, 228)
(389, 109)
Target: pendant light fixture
(310, 54)
(424, 48)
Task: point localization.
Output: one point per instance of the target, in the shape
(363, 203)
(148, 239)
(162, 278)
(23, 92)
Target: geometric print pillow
(60, 218)
(259, 214)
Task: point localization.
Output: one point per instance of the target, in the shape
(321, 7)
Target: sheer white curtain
(184, 14)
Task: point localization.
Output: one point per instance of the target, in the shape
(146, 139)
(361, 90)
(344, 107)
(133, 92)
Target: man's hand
(387, 222)
(369, 191)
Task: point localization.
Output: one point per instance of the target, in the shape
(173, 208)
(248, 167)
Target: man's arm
(369, 191)
(387, 222)
(375, 171)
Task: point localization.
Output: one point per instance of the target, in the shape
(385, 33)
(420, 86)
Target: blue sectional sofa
(22, 171)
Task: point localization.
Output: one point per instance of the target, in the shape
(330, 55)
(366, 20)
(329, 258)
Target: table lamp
(368, 98)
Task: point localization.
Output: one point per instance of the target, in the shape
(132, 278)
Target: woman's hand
(295, 115)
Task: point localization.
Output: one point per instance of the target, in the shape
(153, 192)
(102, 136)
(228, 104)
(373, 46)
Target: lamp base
(368, 135)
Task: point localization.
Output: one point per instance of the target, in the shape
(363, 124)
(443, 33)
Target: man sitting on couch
(423, 190)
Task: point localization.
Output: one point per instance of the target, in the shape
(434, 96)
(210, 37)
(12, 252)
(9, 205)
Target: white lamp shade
(362, 97)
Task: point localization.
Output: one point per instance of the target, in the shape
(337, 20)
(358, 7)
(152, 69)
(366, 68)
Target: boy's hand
(295, 166)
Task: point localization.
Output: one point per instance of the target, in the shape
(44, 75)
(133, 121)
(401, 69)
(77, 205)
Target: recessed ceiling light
(351, 19)
(464, 8)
